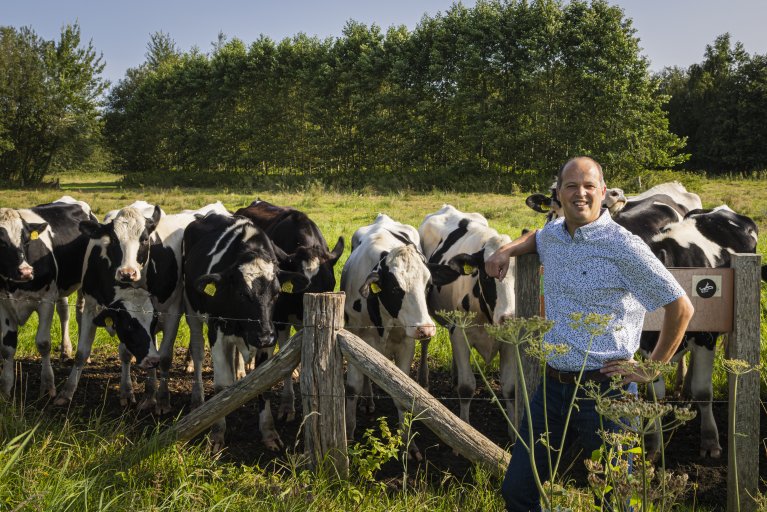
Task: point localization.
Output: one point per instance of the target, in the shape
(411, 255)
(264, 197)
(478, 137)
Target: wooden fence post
(743, 432)
(322, 382)
(527, 287)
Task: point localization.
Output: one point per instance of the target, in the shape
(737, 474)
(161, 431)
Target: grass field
(66, 474)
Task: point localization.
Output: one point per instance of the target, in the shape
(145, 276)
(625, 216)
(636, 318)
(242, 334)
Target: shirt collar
(590, 229)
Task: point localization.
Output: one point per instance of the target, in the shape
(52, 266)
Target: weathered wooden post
(322, 382)
(527, 287)
(743, 433)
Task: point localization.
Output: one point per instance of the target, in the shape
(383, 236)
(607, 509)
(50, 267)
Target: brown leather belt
(571, 377)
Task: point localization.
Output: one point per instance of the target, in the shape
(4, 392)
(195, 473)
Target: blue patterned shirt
(602, 269)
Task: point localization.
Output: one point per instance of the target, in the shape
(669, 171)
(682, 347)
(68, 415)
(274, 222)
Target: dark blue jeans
(519, 488)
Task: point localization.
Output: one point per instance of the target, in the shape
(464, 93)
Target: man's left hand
(630, 370)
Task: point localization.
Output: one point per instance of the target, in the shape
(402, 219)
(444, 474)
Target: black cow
(41, 254)
(705, 238)
(231, 281)
(115, 279)
(296, 234)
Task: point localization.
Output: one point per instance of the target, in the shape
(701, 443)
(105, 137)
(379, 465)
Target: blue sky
(671, 32)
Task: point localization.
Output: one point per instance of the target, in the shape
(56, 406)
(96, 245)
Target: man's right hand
(497, 264)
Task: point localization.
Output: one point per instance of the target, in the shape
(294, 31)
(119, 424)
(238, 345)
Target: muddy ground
(98, 394)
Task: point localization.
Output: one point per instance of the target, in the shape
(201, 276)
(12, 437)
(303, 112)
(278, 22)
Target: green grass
(70, 465)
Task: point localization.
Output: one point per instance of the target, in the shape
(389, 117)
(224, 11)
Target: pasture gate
(322, 342)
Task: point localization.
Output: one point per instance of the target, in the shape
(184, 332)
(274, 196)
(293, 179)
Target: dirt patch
(98, 393)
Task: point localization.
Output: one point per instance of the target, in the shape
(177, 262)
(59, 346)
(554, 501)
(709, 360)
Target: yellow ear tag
(210, 289)
(544, 207)
(108, 322)
(468, 269)
(33, 235)
(375, 288)
(287, 287)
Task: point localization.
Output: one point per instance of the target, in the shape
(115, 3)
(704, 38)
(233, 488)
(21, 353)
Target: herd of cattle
(244, 274)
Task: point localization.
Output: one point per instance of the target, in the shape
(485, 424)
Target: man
(591, 265)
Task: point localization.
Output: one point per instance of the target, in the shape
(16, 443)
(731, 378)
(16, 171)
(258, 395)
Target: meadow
(66, 462)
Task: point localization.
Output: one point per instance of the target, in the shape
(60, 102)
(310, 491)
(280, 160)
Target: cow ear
(539, 203)
(442, 275)
(36, 229)
(292, 282)
(466, 264)
(208, 284)
(151, 222)
(91, 228)
(371, 285)
(337, 251)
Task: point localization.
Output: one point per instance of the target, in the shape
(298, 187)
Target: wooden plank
(743, 442)
(322, 383)
(711, 292)
(527, 285)
(452, 430)
(222, 403)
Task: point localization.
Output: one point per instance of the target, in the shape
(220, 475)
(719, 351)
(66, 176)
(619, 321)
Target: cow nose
(150, 362)
(126, 274)
(505, 318)
(425, 331)
(26, 273)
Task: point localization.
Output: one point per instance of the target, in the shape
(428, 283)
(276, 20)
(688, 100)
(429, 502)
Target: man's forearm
(675, 321)
(525, 244)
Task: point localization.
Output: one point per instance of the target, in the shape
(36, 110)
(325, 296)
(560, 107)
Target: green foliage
(368, 457)
(48, 114)
(471, 95)
(720, 106)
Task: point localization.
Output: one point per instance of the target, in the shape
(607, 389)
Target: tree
(50, 94)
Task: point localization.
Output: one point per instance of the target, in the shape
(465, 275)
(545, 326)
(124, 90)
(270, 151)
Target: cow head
(400, 283)
(242, 296)
(16, 235)
(133, 326)
(496, 298)
(125, 242)
(314, 263)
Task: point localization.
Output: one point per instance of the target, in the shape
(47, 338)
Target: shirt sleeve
(645, 276)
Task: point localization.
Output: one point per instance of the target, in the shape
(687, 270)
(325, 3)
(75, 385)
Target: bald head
(582, 163)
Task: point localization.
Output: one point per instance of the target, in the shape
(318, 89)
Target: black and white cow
(114, 277)
(41, 254)
(386, 280)
(705, 238)
(296, 234)
(232, 281)
(464, 241)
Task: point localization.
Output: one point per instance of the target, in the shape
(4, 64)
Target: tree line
(509, 86)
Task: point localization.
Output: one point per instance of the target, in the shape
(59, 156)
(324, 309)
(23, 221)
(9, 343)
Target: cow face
(125, 242)
(242, 297)
(400, 283)
(133, 326)
(16, 235)
(496, 298)
(314, 263)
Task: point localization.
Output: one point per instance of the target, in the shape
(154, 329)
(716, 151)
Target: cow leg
(223, 377)
(367, 394)
(687, 385)
(149, 400)
(84, 346)
(423, 368)
(170, 332)
(287, 410)
(702, 392)
(508, 382)
(8, 342)
(354, 383)
(239, 365)
(681, 378)
(126, 384)
(466, 382)
(62, 308)
(197, 351)
(43, 342)
(403, 358)
(269, 435)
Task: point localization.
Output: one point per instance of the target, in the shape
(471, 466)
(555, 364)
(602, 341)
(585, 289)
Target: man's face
(581, 193)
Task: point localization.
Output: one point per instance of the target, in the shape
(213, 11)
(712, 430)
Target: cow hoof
(274, 444)
(287, 414)
(49, 391)
(414, 454)
(715, 453)
(163, 407)
(61, 401)
(147, 404)
(216, 445)
(127, 400)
